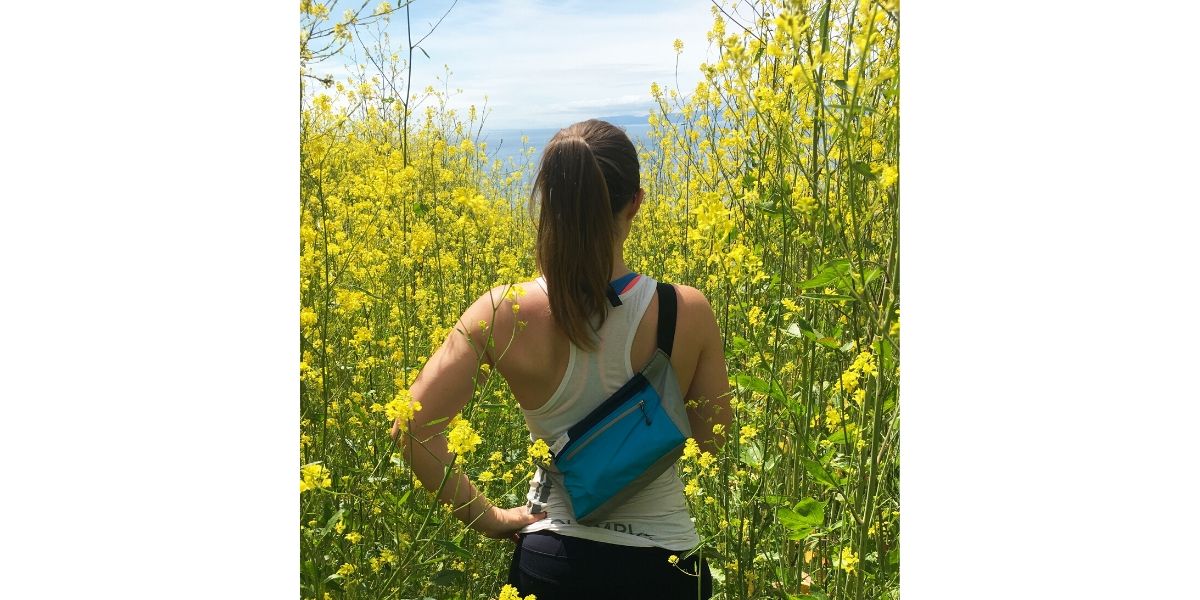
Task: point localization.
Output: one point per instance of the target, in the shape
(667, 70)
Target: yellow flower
(539, 451)
(308, 316)
(849, 381)
(346, 569)
(673, 559)
(754, 316)
(487, 476)
(354, 537)
(509, 592)
(748, 432)
(888, 176)
(690, 448)
(462, 439)
(314, 476)
(402, 407)
(678, 45)
(849, 560)
(833, 418)
(859, 396)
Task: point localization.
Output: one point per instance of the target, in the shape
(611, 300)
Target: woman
(573, 345)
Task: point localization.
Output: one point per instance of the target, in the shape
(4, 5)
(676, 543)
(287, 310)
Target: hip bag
(631, 439)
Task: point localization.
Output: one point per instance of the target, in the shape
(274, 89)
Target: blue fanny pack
(632, 438)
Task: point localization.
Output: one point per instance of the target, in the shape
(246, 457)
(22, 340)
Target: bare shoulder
(693, 306)
(497, 304)
(495, 314)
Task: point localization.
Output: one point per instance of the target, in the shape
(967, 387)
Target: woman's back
(533, 354)
(575, 382)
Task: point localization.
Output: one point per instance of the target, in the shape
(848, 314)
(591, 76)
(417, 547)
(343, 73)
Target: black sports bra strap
(666, 317)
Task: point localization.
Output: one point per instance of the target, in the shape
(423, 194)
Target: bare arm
(708, 396)
(443, 388)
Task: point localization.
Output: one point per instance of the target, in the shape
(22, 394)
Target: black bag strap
(612, 296)
(667, 311)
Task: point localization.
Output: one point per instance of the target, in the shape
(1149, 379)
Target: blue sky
(548, 64)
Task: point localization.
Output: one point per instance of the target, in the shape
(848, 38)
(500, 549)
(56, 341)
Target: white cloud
(546, 65)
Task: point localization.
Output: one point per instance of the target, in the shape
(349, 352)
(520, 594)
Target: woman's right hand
(500, 523)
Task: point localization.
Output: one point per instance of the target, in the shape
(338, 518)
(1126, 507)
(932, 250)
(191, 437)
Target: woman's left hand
(501, 523)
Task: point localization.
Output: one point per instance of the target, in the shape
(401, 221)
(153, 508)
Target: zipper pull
(642, 405)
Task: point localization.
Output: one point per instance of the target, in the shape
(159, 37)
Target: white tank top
(657, 516)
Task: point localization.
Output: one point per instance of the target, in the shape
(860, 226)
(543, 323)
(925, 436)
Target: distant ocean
(503, 144)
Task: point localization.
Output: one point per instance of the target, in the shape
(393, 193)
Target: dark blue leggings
(556, 566)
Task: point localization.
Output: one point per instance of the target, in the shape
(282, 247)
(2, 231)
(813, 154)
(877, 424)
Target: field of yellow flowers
(771, 186)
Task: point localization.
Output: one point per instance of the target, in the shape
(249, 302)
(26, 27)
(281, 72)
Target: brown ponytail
(589, 172)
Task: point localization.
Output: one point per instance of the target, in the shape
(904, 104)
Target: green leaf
(803, 328)
(807, 515)
(337, 516)
(829, 342)
(718, 575)
(759, 385)
(811, 508)
(453, 548)
(436, 421)
(828, 297)
(818, 472)
(449, 577)
(838, 437)
(828, 273)
(886, 352)
(871, 275)
(862, 168)
(740, 344)
(404, 498)
(752, 455)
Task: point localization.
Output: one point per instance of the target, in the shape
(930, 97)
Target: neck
(619, 267)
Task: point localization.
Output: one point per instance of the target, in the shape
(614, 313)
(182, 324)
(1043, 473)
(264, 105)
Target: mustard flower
(314, 476)
(462, 439)
(849, 560)
(690, 448)
(748, 432)
(539, 451)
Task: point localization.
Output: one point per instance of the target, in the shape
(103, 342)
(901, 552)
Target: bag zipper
(640, 405)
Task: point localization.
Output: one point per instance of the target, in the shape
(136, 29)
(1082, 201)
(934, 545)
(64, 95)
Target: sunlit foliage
(772, 186)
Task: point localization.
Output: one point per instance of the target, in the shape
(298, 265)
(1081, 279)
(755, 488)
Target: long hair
(589, 172)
